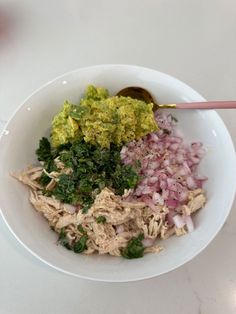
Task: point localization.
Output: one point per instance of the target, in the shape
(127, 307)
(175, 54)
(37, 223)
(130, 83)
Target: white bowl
(32, 121)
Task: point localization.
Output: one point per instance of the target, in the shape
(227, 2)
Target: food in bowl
(115, 177)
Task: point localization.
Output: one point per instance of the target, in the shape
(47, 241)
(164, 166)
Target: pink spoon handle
(207, 105)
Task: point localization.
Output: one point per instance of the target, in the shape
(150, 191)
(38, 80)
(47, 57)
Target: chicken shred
(124, 219)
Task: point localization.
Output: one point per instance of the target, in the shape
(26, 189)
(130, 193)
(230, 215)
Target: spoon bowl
(142, 94)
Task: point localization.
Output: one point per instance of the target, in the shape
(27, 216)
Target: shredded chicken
(197, 203)
(153, 249)
(180, 231)
(166, 231)
(51, 185)
(124, 218)
(29, 177)
(197, 200)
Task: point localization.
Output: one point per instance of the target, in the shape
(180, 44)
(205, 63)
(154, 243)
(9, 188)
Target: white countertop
(190, 39)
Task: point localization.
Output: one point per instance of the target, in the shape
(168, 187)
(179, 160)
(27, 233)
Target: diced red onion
(154, 137)
(189, 223)
(70, 208)
(168, 165)
(166, 162)
(165, 194)
(172, 203)
(196, 145)
(183, 195)
(148, 201)
(191, 184)
(120, 229)
(124, 150)
(179, 221)
(170, 216)
(147, 189)
(147, 242)
(152, 180)
(149, 172)
(163, 184)
(157, 198)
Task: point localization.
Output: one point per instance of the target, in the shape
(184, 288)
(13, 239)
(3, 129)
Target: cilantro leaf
(66, 190)
(81, 229)
(134, 248)
(45, 154)
(93, 168)
(124, 177)
(77, 247)
(44, 150)
(80, 245)
(101, 219)
(44, 179)
(63, 240)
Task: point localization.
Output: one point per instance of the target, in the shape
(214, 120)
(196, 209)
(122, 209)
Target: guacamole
(100, 119)
(64, 127)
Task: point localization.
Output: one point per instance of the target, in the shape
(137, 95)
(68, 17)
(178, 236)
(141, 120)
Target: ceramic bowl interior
(32, 121)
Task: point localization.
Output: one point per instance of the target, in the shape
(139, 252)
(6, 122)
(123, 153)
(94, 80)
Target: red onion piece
(147, 242)
(70, 208)
(172, 203)
(120, 229)
(179, 221)
(189, 223)
(168, 165)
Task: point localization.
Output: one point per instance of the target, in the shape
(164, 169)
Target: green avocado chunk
(102, 120)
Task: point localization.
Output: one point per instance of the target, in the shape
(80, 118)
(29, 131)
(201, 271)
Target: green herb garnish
(101, 219)
(80, 245)
(44, 179)
(81, 229)
(66, 189)
(44, 150)
(63, 240)
(124, 176)
(134, 248)
(92, 169)
(45, 154)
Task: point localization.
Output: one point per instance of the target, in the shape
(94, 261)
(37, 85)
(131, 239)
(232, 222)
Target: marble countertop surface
(189, 39)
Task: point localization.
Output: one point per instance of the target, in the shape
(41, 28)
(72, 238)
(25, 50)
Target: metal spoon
(142, 94)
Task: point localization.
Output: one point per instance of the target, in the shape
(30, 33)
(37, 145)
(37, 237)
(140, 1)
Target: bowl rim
(127, 66)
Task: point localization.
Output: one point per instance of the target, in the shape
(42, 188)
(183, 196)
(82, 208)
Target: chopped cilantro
(80, 245)
(81, 229)
(137, 164)
(45, 154)
(44, 150)
(101, 219)
(63, 240)
(66, 190)
(93, 168)
(124, 176)
(134, 248)
(86, 207)
(44, 179)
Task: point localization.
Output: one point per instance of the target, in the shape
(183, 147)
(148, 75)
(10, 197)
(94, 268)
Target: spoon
(142, 94)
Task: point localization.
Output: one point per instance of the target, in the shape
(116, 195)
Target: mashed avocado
(64, 127)
(103, 120)
(96, 93)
